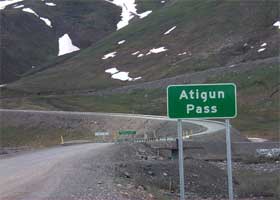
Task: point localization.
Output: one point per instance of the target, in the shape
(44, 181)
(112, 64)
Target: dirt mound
(153, 173)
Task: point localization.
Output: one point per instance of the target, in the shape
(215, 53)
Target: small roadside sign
(127, 132)
(202, 101)
(101, 133)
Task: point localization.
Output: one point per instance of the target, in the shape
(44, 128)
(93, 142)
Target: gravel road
(61, 173)
(210, 126)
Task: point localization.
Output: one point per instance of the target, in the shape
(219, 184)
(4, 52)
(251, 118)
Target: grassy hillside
(257, 89)
(212, 33)
(214, 41)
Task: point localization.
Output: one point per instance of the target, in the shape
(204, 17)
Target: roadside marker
(62, 140)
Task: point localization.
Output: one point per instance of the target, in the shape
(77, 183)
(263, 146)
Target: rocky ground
(10, 151)
(130, 171)
(141, 169)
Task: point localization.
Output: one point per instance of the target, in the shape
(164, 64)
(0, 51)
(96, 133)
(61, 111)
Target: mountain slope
(30, 31)
(207, 34)
(180, 42)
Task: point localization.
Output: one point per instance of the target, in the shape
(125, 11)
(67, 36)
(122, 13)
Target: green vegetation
(251, 183)
(258, 100)
(138, 101)
(210, 32)
(11, 136)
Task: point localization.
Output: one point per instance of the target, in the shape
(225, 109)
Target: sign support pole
(229, 165)
(181, 159)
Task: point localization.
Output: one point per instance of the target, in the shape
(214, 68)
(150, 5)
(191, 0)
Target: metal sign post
(197, 101)
(229, 165)
(181, 159)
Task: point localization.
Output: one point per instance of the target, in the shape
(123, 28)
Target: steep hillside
(207, 34)
(30, 31)
(194, 41)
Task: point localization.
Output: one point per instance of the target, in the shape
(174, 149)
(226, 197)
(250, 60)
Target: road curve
(210, 125)
(56, 173)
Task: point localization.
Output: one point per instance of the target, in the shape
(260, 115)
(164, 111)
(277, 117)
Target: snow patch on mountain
(261, 50)
(183, 53)
(19, 6)
(145, 14)
(140, 55)
(128, 11)
(264, 44)
(277, 24)
(123, 76)
(112, 70)
(4, 4)
(121, 42)
(170, 30)
(135, 53)
(47, 21)
(29, 10)
(157, 50)
(50, 4)
(66, 46)
(109, 55)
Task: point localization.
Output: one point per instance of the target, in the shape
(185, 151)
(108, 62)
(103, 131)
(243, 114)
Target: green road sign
(202, 101)
(127, 132)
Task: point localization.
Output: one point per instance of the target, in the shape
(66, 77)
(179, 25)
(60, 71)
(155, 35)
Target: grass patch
(194, 19)
(138, 101)
(258, 100)
(255, 184)
(15, 136)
